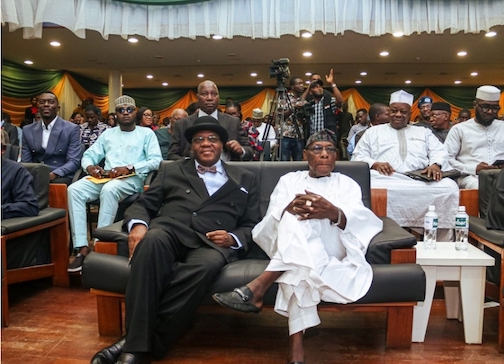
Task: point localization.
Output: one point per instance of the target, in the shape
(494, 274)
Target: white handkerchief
(244, 190)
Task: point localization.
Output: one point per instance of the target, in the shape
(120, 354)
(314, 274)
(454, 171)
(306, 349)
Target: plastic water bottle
(430, 228)
(461, 229)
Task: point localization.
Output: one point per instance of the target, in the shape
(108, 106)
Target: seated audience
(196, 217)
(378, 114)
(478, 143)
(463, 115)
(164, 135)
(6, 125)
(192, 108)
(53, 141)
(92, 128)
(31, 110)
(112, 119)
(237, 146)
(155, 120)
(396, 148)
(234, 109)
(424, 106)
(440, 120)
(82, 107)
(77, 118)
(36, 118)
(316, 232)
(18, 196)
(144, 118)
(129, 151)
(256, 131)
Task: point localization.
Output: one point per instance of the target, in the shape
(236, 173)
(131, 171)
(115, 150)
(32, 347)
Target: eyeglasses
(212, 139)
(487, 107)
(147, 115)
(318, 149)
(121, 110)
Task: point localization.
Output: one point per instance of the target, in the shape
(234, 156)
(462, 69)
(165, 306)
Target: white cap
(125, 100)
(432, 208)
(257, 113)
(401, 96)
(488, 93)
(462, 208)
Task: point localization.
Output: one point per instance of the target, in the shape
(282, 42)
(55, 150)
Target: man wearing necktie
(196, 217)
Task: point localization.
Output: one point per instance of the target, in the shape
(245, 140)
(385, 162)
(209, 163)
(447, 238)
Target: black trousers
(168, 281)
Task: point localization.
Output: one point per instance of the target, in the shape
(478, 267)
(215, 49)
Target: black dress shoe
(134, 358)
(238, 300)
(110, 354)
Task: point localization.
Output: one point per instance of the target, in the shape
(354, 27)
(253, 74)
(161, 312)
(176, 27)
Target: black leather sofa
(22, 237)
(395, 289)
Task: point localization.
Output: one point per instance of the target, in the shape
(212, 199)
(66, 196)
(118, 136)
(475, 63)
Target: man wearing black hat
(324, 114)
(440, 120)
(424, 106)
(196, 217)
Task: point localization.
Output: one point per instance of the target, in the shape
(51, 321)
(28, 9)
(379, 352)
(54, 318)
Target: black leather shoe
(238, 300)
(134, 358)
(110, 354)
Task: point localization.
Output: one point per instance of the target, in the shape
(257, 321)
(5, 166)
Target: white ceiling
(426, 59)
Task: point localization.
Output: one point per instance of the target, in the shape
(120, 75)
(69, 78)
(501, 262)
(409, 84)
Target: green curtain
(382, 94)
(461, 96)
(238, 94)
(25, 82)
(155, 99)
(92, 86)
(161, 2)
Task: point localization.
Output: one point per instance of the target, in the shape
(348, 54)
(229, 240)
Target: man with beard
(237, 146)
(424, 106)
(324, 115)
(396, 148)
(478, 143)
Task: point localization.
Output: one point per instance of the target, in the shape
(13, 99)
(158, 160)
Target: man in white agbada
(316, 232)
(478, 143)
(395, 148)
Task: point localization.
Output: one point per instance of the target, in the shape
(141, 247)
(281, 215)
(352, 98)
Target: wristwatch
(131, 168)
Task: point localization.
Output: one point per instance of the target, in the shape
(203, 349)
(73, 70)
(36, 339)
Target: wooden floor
(58, 326)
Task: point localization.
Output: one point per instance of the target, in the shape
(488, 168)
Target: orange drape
(102, 102)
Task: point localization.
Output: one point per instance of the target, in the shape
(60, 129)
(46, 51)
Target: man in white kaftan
(395, 148)
(316, 232)
(477, 143)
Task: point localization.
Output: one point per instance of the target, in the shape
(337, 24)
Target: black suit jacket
(13, 133)
(180, 147)
(178, 199)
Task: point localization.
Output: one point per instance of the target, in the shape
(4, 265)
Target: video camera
(307, 110)
(280, 70)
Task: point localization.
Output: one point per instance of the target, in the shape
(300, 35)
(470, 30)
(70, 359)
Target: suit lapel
(189, 170)
(231, 185)
(52, 144)
(37, 136)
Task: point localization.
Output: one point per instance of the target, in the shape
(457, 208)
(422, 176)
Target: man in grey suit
(53, 141)
(238, 145)
(196, 217)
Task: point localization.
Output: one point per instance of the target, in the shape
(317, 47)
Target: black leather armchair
(395, 289)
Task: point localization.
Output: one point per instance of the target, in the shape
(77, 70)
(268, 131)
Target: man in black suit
(196, 217)
(238, 145)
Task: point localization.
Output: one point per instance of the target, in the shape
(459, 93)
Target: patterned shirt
(89, 136)
(288, 130)
(317, 119)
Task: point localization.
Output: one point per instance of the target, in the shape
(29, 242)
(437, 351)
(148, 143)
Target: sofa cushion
(40, 173)
(20, 223)
(478, 226)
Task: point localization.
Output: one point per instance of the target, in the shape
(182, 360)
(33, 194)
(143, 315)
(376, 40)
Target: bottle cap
(461, 208)
(432, 208)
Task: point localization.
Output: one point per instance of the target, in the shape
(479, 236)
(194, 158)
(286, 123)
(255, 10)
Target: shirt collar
(218, 166)
(214, 114)
(51, 124)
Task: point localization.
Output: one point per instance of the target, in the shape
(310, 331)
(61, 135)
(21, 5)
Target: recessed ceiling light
(165, 84)
(474, 73)
(407, 81)
(28, 62)
(150, 76)
(363, 73)
(490, 34)
(462, 53)
(307, 82)
(133, 40)
(253, 74)
(384, 54)
(259, 82)
(217, 36)
(358, 81)
(307, 54)
(201, 75)
(306, 35)
(398, 34)
(308, 74)
(55, 44)
(457, 82)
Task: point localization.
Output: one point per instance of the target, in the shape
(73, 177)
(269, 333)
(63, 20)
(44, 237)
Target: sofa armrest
(114, 233)
(391, 237)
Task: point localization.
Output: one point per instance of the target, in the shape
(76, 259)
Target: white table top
(446, 255)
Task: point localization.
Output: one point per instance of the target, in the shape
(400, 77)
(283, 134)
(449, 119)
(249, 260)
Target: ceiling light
(307, 82)
(358, 81)
(308, 74)
(384, 54)
(217, 37)
(201, 75)
(165, 84)
(490, 34)
(407, 81)
(253, 74)
(306, 35)
(474, 73)
(28, 62)
(398, 34)
(150, 76)
(259, 82)
(458, 82)
(307, 54)
(55, 44)
(133, 40)
(462, 53)
(363, 73)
